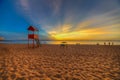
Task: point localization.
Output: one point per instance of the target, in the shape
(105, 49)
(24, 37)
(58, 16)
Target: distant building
(1, 38)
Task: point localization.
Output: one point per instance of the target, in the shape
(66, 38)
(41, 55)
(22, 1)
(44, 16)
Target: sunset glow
(61, 19)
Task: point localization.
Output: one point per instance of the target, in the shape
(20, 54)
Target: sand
(52, 62)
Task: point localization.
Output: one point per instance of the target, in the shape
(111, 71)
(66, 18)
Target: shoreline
(88, 42)
(59, 44)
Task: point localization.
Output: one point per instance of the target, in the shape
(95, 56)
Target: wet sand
(53, 62)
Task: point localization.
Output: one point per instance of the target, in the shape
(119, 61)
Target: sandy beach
(53, 62)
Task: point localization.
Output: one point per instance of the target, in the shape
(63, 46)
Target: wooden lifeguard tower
(33, 35)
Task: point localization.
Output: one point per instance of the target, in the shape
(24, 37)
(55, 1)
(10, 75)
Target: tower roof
(32, 28)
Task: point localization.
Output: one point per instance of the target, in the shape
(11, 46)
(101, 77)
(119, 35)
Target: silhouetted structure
(108, 43)
(97, 44)
(63, 44)
(104, 43)
(77, 44)
(33, 35)
(112, 43)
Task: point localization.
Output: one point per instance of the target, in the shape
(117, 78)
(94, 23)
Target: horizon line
(62, 40)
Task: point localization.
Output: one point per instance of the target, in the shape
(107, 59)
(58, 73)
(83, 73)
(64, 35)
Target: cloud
(89, 34)
(25, 4)
(13, 35)
(95, 28)
(66, 28)
(60, 29)
(104, 6)
(22, 6)
(69, 19)
(106, 19)
(56, 5)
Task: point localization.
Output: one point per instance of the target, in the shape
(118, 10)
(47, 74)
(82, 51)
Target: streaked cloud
(13, 35)
(56, 5)
(73, 19)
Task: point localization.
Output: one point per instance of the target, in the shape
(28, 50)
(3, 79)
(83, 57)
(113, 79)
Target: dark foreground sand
(52, 62)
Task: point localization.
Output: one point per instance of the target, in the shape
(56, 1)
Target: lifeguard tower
(33, 35)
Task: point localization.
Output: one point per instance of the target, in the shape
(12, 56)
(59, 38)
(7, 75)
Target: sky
(61, 19)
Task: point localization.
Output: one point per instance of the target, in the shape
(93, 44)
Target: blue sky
(61, 19)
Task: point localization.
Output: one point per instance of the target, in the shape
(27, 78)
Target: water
(91, 42)
(86, 42)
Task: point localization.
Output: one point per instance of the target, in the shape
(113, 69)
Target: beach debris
(109, 43)
(63, 44)
(112, 43)
(98, 44)
(77, 43)
(104, 43)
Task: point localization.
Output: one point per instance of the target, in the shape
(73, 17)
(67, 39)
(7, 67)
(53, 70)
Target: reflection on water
(67, 42)
(87, 42)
